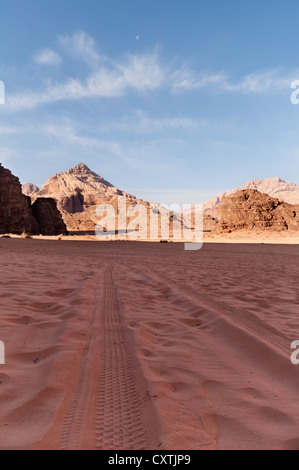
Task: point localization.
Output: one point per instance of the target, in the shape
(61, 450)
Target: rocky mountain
(249, 209)
(79, 188)
(29, 189)
(274, 187)
(79, 191)
(18, 216)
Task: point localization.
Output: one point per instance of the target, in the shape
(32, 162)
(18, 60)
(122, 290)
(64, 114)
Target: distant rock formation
(79, 191)
(274, 187)
(277, 188)
(78, 188)
(251, 210)
(48, 217)
(17, 214)
(29, 189)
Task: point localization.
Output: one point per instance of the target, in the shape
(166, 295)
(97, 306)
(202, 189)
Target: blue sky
(171, 101)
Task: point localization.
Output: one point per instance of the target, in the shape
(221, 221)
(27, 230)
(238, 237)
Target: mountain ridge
(79, 190)
(275, 187)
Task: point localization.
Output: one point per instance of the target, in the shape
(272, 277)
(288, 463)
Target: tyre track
(105, 404)
(118, 417)
(72, 426)
(184, 292)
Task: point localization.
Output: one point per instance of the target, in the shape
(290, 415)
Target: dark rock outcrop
(48, 217)
(18, 216)
(251, 210)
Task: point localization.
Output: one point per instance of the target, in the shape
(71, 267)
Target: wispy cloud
(140, 123)
(47, 57)
(67, 132)
(137, 72)
(262, 81)
(82, 46)
(141, 73)
(187, 79)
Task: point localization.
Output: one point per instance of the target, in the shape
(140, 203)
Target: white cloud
(82, 46)
(263, 81)
(142, 73)
(186, 79)
(47, 57)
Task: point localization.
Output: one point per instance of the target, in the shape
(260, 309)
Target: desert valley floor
(123, 345)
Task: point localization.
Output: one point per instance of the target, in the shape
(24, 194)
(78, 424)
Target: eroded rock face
(48, 217)
(251, 210)
(16, 215)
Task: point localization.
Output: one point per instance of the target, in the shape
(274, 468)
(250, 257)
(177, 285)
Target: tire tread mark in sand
(230, 313)
(118, 417)
(71, 431)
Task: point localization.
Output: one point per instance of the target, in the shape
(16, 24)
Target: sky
(172, 101)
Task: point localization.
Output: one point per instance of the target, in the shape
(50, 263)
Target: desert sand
(124, 345)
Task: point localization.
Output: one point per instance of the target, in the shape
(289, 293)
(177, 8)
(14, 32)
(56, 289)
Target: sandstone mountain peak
(72, 187)
(81, 167)
(78, 191)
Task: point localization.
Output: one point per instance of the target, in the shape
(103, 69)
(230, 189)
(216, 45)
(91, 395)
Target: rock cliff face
(18, 216)
(274, 187)
(48, 217)
(251, 210)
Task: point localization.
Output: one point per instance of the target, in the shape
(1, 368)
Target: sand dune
(145, 346)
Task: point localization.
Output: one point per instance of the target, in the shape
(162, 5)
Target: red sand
(123, 345)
